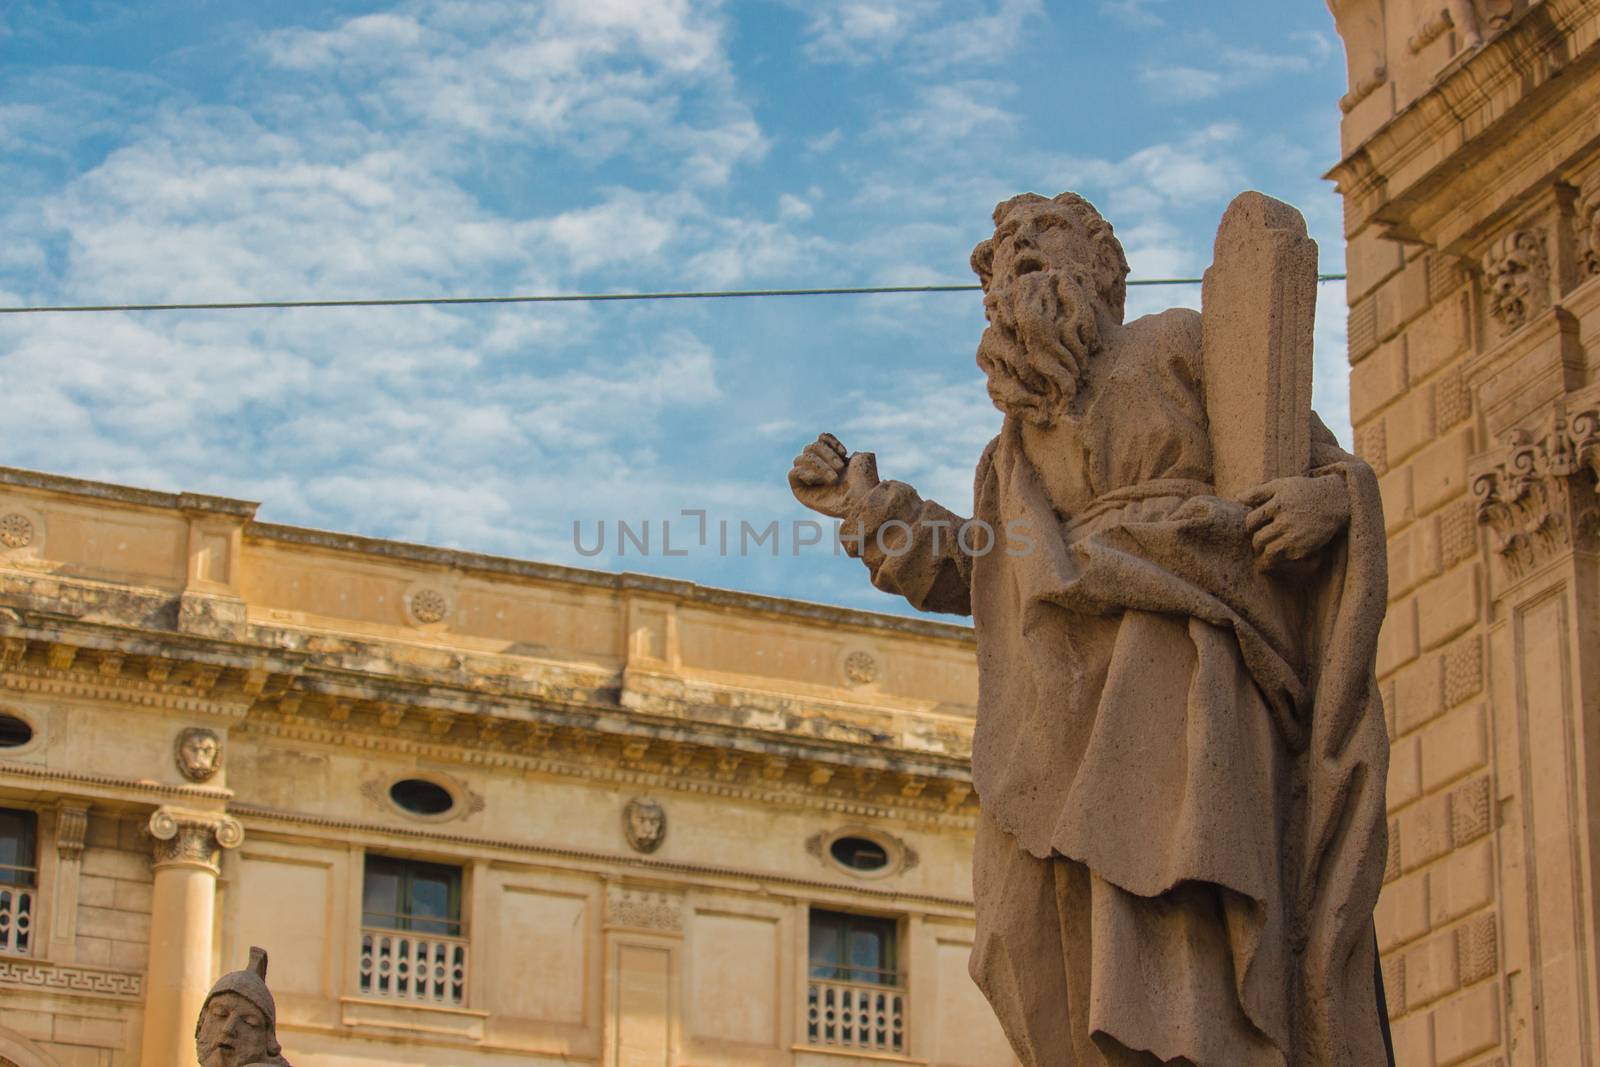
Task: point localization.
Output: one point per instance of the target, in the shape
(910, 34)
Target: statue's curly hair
(1109, 263)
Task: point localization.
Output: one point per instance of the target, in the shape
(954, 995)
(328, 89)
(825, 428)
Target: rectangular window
(411, 944)
(18, 873)
(853, 948)
(406, 895)
(855, 996)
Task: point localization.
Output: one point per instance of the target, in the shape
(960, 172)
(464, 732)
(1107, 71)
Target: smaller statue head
(1517, 272)
(1054, 281)
(199, 754)
(645, 823)
(238, 1021)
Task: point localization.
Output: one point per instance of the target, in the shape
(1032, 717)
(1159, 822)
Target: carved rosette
(1516, 271)
(1537, 493)
(193, 839)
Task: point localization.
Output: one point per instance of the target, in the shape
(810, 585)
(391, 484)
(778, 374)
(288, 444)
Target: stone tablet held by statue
(1258, 310)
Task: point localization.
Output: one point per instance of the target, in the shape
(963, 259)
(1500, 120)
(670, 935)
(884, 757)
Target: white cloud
(1236, 68)
(1136, 13)
(931, 35)
(947, 113)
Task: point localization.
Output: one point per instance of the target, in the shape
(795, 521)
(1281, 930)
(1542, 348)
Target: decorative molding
(644, 909)
(1586, 224)
(1537, 492)
(72, 824)
(192, 839)
(1516, 271)
(522, 850)
(106, 781)
(42, 976)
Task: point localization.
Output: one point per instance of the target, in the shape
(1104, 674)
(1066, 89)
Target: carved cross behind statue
(1259, 305)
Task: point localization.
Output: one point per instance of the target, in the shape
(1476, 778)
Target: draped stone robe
(1197, 746)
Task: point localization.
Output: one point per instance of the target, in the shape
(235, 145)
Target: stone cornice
(527, 849)
(1497, 104)
(810, 755)
(111, 785)
(122, 494)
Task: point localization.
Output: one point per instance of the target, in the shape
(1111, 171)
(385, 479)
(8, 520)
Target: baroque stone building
(1471, 182)
(478, 811)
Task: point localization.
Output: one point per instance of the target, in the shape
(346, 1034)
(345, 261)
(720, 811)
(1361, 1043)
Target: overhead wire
(540, 298)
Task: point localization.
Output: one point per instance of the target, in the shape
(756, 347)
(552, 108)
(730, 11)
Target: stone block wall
(1437, 917)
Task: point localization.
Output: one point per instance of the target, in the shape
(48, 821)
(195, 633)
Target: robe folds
(1197, 745)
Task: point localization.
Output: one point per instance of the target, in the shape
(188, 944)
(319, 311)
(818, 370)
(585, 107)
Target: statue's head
(238, 1022)
(199, 753)
(1054, 278)
(646, 824)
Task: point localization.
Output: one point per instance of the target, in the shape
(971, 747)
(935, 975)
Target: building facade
(478, 811)
(1471, 183)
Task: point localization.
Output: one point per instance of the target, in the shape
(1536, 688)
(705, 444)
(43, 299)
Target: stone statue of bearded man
(1180, 750)
(238, 1024)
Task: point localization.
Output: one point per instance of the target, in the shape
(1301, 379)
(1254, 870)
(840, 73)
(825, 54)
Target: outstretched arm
(912, 547)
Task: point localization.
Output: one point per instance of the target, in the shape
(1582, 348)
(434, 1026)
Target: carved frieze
(1516, 271)
(1536, 493)
(644, 909)
(1586, 225)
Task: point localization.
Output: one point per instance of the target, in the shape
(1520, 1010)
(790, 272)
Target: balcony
(16, 920)
(856, 1015)
(413, 968)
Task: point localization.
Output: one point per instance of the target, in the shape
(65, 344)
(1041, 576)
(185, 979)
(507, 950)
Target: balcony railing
(856, 1016)
(414, 968)
(16, 920)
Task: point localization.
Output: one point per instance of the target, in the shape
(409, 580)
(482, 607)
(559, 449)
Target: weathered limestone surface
(238, 1023)
(1471, 188)
(1181, 749)
(544, 700)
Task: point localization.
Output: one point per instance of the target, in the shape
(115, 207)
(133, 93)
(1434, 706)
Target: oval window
(14, 732)
(859, 854)
(421, 797)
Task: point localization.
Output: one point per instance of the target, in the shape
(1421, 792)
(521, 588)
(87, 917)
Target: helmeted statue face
(233, 1033)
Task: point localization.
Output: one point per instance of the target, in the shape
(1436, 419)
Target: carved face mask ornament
(199, 754)
(646, 824)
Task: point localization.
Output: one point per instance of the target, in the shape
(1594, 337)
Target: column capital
(192, 838)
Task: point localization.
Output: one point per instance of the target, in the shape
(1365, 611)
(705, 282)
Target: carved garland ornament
(1537, 494)
(1516, 270)
(644, 909)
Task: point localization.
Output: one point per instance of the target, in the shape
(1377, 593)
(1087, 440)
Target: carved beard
(1042, 331)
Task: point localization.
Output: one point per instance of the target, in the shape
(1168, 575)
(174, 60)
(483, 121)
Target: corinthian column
(188, 846)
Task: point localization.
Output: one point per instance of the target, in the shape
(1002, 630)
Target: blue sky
(163, 152)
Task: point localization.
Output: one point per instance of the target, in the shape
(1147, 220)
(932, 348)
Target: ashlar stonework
(1181, 750)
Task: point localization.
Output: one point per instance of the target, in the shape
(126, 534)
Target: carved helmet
(251, 984)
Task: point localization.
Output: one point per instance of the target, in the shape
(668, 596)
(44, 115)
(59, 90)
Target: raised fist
(826, 478)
